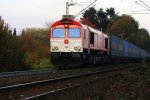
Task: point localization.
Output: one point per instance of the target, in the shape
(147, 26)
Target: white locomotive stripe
(70, 47)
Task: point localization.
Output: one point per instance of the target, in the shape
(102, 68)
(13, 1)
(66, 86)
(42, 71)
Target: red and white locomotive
(73, 43)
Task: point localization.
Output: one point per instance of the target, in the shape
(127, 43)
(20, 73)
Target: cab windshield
(58, 33)
(74, 33)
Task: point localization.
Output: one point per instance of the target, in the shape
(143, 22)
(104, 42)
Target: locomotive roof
(94, 30)
(66, 21)
(73, 22)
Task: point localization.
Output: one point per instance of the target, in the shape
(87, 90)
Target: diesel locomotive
(74, 44)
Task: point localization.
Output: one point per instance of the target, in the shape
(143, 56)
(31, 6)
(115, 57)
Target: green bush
(43, 63)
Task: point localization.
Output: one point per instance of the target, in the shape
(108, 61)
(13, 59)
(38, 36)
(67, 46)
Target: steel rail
(22, 73)
(56, 79)
(9, 89)
(40, 96)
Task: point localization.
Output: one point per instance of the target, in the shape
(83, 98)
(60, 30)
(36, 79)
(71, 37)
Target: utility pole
(67, 7)
(68, 4)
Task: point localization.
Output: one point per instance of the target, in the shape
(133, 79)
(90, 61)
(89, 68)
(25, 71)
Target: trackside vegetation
(27, 51)
(131, 85)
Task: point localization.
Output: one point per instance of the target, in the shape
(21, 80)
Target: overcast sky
(23, 14)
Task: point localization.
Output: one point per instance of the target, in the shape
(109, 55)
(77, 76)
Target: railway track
(22, 73)
(21, 77)
(39, 89)
(10, 78)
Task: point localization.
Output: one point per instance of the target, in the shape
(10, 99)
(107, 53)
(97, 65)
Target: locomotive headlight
(77, 48)
(54, 48)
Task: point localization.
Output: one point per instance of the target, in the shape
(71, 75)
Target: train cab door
(92, 38)
(106, 43)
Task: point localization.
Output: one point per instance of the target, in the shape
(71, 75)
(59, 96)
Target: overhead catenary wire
(71, 3)
(145, 4)
(85, 9)
(136, 12)
(141, 13)
(139, 10)
(125, 7)
(142, 6)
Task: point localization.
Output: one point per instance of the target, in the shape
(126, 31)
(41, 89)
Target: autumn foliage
(35, 48)
(10, 53)
(86, 21)
(29, 50)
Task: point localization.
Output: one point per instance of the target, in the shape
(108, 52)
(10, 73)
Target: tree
(35, 50)
(4, 41)
(89, 17)
(15, 32)
(40, 34)
(98, 19)
(143, 39)
(9, 48)
(126, 27)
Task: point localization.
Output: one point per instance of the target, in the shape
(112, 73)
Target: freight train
(74, 44)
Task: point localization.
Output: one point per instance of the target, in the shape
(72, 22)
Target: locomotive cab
(65, 41)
